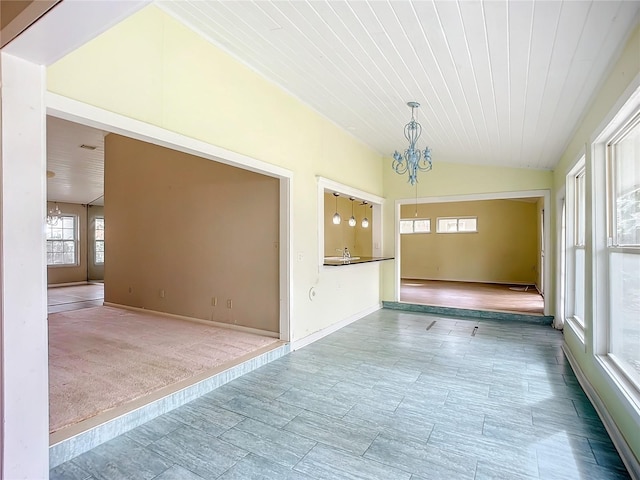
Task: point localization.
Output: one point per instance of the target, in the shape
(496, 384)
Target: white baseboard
(314, 337)
(626, 454)
(240, 328)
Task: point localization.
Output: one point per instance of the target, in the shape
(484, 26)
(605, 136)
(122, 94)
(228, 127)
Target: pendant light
(352, 220)
(365, 220)
(336, 216)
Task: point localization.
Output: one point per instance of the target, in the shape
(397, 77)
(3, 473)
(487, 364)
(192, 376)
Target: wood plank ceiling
(500, 82)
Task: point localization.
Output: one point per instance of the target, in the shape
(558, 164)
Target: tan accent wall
(78, 273)
(95, 271)
(358, 240)
(190, 229)
(503, 251)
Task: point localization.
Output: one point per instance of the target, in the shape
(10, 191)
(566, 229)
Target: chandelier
(53, 215)
(413, 160)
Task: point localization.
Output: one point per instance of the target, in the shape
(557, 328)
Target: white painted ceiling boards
(500, 82)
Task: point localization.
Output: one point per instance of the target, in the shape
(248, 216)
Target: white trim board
(629, 459)
(314, 337)
(85, 114)
(545, 194)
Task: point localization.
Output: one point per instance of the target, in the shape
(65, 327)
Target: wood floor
(473, 296)
(76, 297)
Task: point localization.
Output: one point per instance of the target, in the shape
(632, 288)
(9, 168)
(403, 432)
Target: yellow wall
(503, 250)
(626, 68)
(357, 239)
(194, 229)
(449, 179)
(151, 68)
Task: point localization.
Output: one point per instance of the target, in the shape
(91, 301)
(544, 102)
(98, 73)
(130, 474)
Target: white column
(23, 307)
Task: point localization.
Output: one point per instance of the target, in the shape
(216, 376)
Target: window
(419, 225)
(61, 241)
(623, 249)
(99, 241)
(576, 183)
(457, 225)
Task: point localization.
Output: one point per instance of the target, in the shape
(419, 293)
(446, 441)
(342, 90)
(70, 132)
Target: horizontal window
(457, 225)
(419, 225)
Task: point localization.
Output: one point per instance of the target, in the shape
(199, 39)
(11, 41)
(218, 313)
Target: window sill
(626, 391)
(577, 328)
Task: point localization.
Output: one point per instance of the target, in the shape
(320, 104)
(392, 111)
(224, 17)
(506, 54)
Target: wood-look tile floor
(74, 297)
(473, 296)
(383, 398)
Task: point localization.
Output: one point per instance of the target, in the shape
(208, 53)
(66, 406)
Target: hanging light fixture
(336, 216)
(352, 220)
(365, 220)
(413, 160)
(53, 215)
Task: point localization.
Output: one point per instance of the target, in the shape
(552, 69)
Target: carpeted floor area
(103, 357)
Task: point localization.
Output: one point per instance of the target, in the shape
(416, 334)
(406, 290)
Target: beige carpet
(103, 357)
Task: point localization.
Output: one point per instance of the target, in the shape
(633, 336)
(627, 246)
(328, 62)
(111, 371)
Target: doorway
(485, 251)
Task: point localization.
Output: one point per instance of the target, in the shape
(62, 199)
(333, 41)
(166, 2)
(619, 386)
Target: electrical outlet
(130, 290)
(162, 293)
(229, 304)
(214, 301)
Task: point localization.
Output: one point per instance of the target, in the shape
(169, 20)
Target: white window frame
(626, 391)
(74, 241)
(413, 226)
(457, 224)
(575, 243)
(96, 241)
(613, 245)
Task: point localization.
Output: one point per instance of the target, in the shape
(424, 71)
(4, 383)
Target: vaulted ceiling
(499, 82)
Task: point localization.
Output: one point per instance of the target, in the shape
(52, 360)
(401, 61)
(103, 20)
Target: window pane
(447, 225)
(99, 257)
(580, 203)
(467, 225)
(578, 307)
(67, 234)
(422, 226)
(624, 293)
(99, 246)
(406, 226)
(626, 198)
(67, 222)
